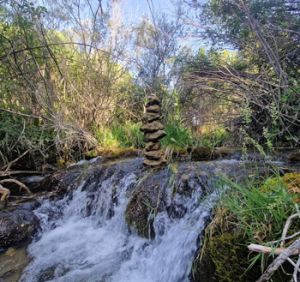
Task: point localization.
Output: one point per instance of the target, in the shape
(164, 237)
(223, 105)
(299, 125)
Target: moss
(143, 206)
(224, 256)
(137, 215)
(291, 181)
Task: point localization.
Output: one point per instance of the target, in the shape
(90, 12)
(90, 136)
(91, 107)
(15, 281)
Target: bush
(215, 138)
(18, 135)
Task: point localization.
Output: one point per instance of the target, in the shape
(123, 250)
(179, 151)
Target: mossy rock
(224, 256)
(225, 259)
(290, 181)
(145, 202)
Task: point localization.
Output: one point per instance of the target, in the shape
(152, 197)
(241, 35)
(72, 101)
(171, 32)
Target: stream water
(84, 236)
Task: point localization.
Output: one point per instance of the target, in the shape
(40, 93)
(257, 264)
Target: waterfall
(84, 235)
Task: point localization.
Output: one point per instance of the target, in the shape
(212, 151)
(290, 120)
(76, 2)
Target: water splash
(84, 236)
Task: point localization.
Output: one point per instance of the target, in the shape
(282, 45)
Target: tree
(265, 34)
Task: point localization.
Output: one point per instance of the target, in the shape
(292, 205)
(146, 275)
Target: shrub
(215, 138)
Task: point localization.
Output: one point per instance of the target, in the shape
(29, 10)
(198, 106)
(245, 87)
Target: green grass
(260, 213)
(127, 135)
(212, 139)
(178, 137)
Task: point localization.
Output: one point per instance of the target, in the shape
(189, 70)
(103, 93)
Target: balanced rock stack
(153, 131)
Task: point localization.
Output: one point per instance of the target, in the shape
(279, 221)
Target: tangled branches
(284, 254)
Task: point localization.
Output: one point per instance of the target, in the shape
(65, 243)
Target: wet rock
(146, 201)
(47, 274)
(155, 194)
(12, 263)
(18, 225)
(60, 181)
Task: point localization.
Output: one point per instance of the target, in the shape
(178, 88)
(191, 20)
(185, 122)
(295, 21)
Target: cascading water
(84, 236)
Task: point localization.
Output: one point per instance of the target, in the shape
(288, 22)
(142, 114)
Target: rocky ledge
(17, 224)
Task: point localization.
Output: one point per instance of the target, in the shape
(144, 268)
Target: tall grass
(261, 211)
(178, 137)
(127, 135)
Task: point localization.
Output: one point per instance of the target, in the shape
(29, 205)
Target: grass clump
(248, 213)
(260, 211)
(127, 135)
(178, 136)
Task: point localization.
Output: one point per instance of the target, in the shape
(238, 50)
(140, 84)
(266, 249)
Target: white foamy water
(77, 245)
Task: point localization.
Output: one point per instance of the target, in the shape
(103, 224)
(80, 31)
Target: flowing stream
(84, 236)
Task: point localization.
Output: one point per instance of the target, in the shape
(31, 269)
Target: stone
(153, 109)
(12, 263)
(153, 155)
(153, 132)
(152, 126)
(153, 100)
(155, 136)
(153, 163)
(151, 146)
(17, 226)
(149, 117)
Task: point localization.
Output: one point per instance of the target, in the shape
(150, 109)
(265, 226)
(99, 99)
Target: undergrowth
(252, 212)
(260, 211)
(120, 136)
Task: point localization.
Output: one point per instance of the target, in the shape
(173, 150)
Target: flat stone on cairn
(153, 131)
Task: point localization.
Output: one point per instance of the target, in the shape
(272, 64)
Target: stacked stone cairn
(153, 131)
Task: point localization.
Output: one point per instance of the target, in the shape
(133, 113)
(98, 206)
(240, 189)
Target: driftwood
(15, 172)
(4, 192)
(284, 254)
(289, 251)
(20, 184)
(268, 250)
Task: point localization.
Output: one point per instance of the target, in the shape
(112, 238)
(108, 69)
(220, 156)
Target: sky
(133, 10)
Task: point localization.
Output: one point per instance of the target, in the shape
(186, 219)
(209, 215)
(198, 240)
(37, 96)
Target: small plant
(178, 137)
